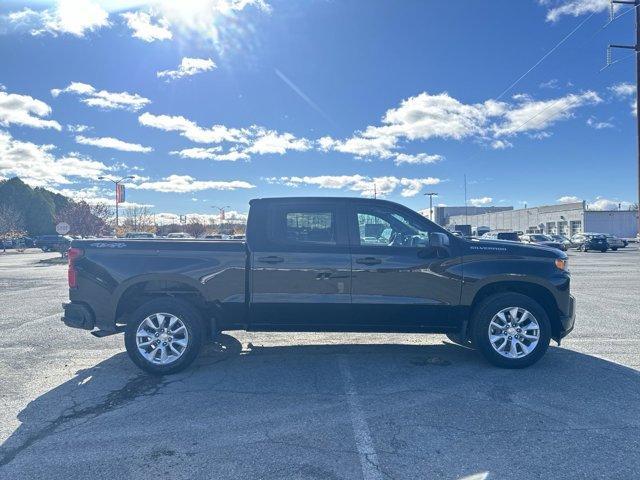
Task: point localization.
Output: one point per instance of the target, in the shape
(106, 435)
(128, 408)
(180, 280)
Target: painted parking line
(364, 443)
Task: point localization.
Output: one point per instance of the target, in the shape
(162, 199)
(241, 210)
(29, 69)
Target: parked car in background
(502, 235)
(53, 243)
(544, 240)
(139, 235)
(20, 242)
(614, 242)
(562, 239)
(178, 235)
(590, 241)
(214, 236)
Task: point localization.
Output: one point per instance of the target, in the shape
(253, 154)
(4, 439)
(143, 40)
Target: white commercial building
(566, 219)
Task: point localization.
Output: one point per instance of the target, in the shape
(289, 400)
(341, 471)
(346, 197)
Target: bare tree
(138, 219)
(84, 219)
(11, 225)
(195, 228)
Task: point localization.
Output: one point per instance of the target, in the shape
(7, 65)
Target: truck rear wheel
(511, 330)
(164, 336)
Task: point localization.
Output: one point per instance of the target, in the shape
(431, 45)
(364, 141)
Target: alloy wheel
(514, 332)
(162, 338)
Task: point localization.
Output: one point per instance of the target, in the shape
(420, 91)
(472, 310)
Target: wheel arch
(147, 287)
(537, 292)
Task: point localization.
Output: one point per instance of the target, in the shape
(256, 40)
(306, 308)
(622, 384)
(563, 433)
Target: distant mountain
(37, 207)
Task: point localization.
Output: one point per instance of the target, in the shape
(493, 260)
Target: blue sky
(317, 97)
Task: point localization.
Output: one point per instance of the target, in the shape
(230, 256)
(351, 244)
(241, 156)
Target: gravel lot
(320, 406)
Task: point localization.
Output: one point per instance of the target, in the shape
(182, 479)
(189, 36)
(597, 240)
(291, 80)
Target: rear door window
(305, 225)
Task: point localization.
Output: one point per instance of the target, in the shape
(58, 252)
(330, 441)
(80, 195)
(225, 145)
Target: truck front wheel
(164, 336)
(511, 330)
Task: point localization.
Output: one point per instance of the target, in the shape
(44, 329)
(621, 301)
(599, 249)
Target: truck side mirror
(438, 240)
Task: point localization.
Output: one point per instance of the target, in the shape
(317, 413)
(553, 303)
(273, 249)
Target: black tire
(603, 250)
(615, 249)
(485, 313)
(191, 319)
(584, 248)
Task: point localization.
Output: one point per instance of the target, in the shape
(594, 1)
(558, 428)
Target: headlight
(562, 264)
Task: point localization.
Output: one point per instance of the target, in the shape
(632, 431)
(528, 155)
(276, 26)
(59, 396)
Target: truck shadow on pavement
(423, 403)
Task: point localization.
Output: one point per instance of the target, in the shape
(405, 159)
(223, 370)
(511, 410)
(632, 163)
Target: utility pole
(431, 194)
(119, 191)
(636, 48)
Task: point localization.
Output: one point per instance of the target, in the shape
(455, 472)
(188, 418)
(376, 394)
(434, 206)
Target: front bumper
(568, 321)
(78, 315)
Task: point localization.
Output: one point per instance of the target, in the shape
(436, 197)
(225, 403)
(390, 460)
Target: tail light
(73, 254)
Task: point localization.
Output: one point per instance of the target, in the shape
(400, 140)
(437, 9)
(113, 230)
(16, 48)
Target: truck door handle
(368, 261)
(271, 259)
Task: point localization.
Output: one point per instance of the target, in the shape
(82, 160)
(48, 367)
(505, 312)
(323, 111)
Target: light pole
(117, 183)
(431, 194)
(221, 210)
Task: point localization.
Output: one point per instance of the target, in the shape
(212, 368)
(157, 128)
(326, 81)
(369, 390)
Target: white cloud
(78, 128)
(212, 153)
(191, 130)
(96, 195)
(426, 116)
(74, 17)
(418, 159)
(185, 184)
(370, 143)
(552, 84)
(623, 89)
(530, 114)
(25, 111)
(479, 202)
(188, 67)
(113, 143)
(247, 141)
(598, 125)
(501, 144)
(37, 165)
(143, 26)
(568, 199)
(269, 141)
(574, 8)
(605, 204)
(103, 98)
(359, 183)
(201, 19)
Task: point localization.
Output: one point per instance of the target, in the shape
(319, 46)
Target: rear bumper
(568, 321)
(78, 315)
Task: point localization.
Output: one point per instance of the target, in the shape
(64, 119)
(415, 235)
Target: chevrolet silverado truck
(321, 264)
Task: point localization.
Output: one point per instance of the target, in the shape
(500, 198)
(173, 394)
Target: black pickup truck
(321, 264)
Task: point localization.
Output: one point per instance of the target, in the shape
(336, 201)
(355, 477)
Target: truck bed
(116, 273)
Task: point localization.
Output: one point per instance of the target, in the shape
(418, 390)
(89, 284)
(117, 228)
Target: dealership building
(565, 219)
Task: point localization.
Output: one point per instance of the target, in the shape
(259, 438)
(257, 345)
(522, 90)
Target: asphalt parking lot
(320, 406)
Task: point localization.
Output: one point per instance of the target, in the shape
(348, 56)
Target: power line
(616, 61)
(613, 19)
(555, 47)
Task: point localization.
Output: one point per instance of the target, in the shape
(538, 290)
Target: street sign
(63, 228)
